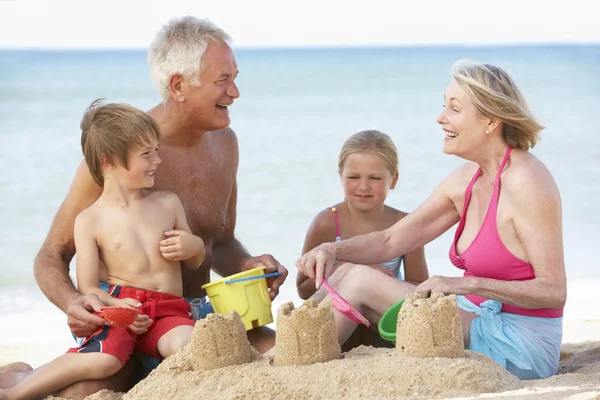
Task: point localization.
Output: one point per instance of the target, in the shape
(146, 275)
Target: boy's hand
(142, 322)
(180, 245)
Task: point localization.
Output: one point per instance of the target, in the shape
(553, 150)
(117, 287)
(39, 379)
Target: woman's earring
(487, 132)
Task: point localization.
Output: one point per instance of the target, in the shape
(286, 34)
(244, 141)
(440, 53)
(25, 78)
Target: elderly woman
(508, 241)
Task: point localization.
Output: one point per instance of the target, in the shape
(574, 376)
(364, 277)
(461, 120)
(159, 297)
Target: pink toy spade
(340, 304)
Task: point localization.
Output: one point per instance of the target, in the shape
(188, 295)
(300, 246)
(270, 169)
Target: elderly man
(194, 70)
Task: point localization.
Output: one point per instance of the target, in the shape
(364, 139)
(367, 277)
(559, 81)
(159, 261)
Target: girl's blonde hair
(371, 141)
(495, 94)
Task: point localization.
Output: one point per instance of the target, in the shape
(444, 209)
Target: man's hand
(272, 266)
(80, 317)
(180, 245)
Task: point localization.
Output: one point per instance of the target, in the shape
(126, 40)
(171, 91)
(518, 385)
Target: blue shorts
(200, 308)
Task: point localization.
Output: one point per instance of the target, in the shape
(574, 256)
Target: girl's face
(366, 180)
(463, 127)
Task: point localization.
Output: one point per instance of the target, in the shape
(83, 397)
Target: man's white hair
(178, 49)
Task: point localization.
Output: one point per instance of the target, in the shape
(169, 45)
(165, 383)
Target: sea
(297, 107)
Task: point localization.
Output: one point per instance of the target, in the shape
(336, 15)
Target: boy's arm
(181, 244)
(88, 260)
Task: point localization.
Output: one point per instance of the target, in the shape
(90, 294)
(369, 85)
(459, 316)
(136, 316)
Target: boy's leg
(64, 371)
(173, 340)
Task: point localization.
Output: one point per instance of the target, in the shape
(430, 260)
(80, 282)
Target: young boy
(125, 229)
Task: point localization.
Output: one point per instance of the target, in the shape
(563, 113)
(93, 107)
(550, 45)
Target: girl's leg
(64, 371)
(372, 293)
(173, 340)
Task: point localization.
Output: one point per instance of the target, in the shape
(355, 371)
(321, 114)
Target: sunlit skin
(366, 181)
(140, 170)
(462, 124)
(205, 106)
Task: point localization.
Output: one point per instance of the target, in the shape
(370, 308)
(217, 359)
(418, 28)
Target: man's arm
(228, 255)
(51, 265)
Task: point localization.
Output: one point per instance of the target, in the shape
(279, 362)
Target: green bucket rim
(391, 312)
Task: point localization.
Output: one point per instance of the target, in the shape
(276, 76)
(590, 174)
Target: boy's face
(141, 166)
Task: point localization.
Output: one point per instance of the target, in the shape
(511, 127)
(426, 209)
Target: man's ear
(177, 87)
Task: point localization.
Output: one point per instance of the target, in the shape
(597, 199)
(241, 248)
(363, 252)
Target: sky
(76, 24)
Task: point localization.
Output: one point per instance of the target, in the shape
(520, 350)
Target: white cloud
(133, 23)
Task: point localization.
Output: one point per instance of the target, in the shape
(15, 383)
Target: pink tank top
(487, 257)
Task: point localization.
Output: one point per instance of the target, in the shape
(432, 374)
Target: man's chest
(205, 190)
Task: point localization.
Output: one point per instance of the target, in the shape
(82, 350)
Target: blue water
(296, 109)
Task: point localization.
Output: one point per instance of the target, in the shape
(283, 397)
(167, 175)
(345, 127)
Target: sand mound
(306, 335)
(429, 327)
(219, 341)
(583, 362)
(364, 372)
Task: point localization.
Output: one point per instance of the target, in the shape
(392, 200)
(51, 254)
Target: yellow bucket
(250, 297)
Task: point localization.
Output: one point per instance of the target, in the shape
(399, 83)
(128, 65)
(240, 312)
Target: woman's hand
(443, 284)
(317, 264)
(180, 245)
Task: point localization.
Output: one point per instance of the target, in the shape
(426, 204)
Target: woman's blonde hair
(109, 131)
(495, 94)
(371, 141)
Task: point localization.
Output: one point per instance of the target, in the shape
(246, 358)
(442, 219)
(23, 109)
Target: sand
(368, 372)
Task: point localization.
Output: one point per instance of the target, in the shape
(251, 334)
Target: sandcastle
(430, 327)
(219, 341)
(306, 335)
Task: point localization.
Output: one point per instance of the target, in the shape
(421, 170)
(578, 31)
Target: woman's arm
(537, 219)
(432, 218)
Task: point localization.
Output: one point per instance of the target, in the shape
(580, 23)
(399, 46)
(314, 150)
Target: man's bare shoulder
(225, 137)
(166, 197)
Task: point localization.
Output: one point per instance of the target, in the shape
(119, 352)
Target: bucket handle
(250, 278)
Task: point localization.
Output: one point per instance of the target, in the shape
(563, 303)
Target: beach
(366, 370)
(290, 132)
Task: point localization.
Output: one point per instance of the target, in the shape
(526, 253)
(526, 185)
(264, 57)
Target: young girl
(368, 168)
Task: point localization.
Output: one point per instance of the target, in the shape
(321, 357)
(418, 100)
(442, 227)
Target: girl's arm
(415, 266)
(321, 230)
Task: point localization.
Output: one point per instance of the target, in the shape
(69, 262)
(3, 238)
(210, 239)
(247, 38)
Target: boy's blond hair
(371, 141)
(110, 131)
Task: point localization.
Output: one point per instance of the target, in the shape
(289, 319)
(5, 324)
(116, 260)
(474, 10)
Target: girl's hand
(180, 245)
